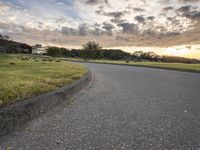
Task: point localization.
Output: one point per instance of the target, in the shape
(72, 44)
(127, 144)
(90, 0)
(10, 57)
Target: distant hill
(8, 46)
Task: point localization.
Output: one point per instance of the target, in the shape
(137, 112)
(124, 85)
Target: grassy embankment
(162, 65)
(23, 77)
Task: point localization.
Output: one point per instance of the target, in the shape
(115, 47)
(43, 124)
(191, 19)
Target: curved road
(124, 107)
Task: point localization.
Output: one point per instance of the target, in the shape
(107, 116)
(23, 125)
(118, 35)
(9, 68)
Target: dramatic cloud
(95, 2)
(184, 9)
(4, 6)
(189, 12)
(139, 9)
(166, 9)
(113, 23)
(108, 27)
(128, 27)
(189, 1)
(151, 18)
(194, 15)
(140, 19)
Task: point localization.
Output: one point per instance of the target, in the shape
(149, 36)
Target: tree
(1, 36)
(91, 45)
(4, 37)
(55, 51)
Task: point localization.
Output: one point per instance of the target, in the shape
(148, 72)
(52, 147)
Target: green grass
(24, 76)
(172, 66)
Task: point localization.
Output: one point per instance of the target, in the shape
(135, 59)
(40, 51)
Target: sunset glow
(165, 27)
(192, 51)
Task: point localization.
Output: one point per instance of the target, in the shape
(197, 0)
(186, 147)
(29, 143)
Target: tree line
(93, 50)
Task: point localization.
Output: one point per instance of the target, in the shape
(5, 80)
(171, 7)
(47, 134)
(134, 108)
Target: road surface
(124, 107)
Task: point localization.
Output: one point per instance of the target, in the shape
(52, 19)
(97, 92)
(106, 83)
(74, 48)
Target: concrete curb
(14, 116)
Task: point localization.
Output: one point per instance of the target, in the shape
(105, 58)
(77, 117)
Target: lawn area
(173, 66)
(23, 76)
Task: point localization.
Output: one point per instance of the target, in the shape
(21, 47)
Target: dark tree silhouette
(4, 37)
(91, 45)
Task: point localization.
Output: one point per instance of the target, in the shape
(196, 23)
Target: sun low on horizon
(189, 51)
(166, 27)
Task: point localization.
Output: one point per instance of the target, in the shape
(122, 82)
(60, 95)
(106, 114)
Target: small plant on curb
(58, 60)
(12, 63)
(25, 58)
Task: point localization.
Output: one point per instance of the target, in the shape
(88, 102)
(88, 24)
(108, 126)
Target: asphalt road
(124, 107)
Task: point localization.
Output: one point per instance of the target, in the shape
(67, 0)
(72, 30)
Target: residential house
(39, 49)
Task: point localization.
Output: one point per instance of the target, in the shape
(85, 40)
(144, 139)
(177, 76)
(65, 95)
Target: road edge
(16, 115)
(142, 66)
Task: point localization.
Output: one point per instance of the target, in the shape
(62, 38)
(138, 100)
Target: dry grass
(25, 76)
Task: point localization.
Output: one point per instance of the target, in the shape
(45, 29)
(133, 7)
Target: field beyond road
(22, 76)
(162, 65)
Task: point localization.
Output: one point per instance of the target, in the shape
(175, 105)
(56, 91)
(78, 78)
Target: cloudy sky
(164, 26)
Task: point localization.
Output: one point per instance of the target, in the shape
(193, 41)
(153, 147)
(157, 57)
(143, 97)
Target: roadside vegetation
(23, 76)
(162, 65)
(94, 51)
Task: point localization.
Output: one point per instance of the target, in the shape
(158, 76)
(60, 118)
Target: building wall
(39, 51)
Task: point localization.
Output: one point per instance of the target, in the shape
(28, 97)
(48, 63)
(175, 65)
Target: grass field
(25, 76)
(172, 66)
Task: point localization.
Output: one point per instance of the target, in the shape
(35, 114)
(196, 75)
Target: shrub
(55, 51)
(24, 58)
(12, 63)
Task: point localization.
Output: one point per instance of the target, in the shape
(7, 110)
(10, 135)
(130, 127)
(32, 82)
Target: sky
(168, 27)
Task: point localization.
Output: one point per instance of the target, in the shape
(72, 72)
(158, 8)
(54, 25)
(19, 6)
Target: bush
(24, 58)
(12, 63)
(55, 51)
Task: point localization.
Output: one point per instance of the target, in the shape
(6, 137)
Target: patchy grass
(172, 66)
(23, 76)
